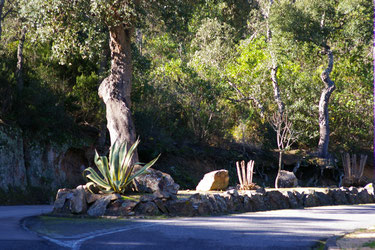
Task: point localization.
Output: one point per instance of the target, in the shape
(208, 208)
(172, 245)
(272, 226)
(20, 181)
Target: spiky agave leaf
(141, 171)
(102, 164)
(114, 160)
(94, 177)
(117, 170)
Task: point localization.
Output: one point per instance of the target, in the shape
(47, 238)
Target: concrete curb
(331, 243)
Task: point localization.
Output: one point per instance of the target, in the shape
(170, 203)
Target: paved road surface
(281, 229)
(13, 236)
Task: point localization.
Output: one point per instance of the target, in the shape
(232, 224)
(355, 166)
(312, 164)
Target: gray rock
(147, 208)
(155, 180)
(99, 206)
(160, 204)
(212, 200)
(363, 196)
(338, 196)
(182, 207)
(324, 198)
(164, 195)
(229, 201)
(215, 180)
(147, 198)
(248, 207)
(258, 202)
(78, 201)
(276, 200)
(202, 205)
(121, 208)
(311, 200)
(221, 203)
(90, 197)
(61, 197)
(294, 202)
(286, 179)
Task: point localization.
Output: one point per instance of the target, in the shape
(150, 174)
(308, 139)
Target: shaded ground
(278, 229)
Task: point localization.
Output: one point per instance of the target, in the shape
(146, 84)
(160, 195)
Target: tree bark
(276, 88)
(2, 2)
(116, 88)
(323, 107)
(274, 68)
(20, 59)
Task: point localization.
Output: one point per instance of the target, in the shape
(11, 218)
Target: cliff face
(32, 163)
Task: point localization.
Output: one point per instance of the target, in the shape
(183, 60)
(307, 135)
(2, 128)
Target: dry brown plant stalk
(245, 175)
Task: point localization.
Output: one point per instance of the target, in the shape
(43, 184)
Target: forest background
(204, 73)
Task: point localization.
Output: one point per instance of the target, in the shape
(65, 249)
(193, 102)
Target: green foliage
(370, 244)
(187, 54)
(84, 92)
(117, 172)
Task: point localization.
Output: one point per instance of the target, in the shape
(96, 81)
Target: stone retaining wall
(80, 201)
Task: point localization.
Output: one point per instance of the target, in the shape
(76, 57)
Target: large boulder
(61, 197)
(99, 207)
(78, 200)
(155, 181)
(286, 179)
(215, 180)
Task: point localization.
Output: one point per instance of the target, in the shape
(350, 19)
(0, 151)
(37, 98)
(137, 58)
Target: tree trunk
(2, 2)
(276, 88)
(19, 70)
(116, 88)
(280, 160)
(323, 107)
(275, 83)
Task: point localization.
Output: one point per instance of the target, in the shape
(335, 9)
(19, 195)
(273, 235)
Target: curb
(331, 243)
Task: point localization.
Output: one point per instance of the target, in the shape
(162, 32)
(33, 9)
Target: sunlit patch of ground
(361, 239)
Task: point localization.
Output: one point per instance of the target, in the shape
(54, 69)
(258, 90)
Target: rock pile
(80, 201)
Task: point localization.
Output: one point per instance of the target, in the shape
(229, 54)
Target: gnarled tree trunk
(116, 88)
(20, 59)
(323, 107)
(2, 2)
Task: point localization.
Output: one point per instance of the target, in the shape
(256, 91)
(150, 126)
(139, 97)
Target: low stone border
(80, 201)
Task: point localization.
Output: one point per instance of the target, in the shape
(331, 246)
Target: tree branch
(247, 98)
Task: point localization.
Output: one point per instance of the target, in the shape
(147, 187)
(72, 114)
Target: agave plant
(117, 172)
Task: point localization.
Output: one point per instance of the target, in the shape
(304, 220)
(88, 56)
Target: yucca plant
(246, 178)
(117, 172)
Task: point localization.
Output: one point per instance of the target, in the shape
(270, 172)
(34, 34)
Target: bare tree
(285, 134)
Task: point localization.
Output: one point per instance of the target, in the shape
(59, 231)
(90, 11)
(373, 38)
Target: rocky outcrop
(32, 163)
(286, 179)
(12, 163)
(215, 180)
(211, 203)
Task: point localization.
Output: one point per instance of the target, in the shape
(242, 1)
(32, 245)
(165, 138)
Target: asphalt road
(13, 235)
(280, 229)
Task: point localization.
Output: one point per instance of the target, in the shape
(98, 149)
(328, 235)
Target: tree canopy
(200, 69)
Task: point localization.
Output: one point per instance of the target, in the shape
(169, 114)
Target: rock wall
(12, 161)
(31, 163)
(206, 203)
